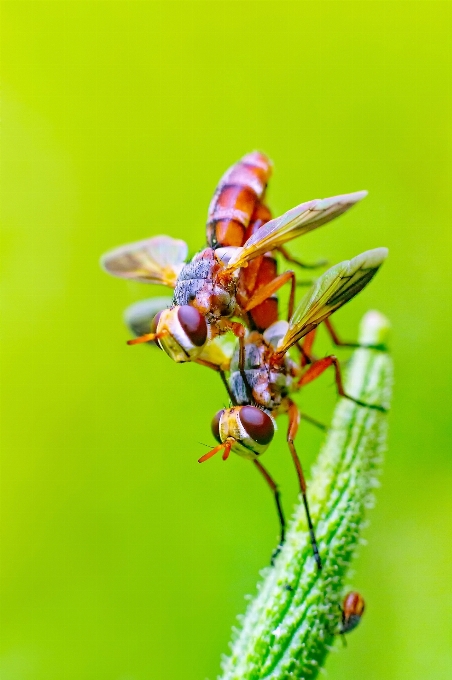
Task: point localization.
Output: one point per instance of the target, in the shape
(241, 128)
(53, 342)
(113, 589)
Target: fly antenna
(147, 337)
(225, 445)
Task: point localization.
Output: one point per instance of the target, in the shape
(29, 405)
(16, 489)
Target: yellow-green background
(121, 558)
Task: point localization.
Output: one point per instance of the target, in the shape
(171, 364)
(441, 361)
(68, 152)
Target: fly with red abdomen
(224, 281)
(262, 390)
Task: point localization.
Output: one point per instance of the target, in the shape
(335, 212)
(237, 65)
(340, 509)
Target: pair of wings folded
(331, 291)
(159, 260)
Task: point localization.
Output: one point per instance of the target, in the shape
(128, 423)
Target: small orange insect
(352, 611)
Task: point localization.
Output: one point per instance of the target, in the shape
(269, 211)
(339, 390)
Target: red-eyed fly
(261, 392)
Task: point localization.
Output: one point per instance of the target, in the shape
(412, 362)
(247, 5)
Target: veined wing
(295, 222)
(139, 316)
(332, 290)
(154, 260)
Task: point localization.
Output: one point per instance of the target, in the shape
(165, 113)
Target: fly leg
(287, 256)
(274, 488)
(314, 422)
(224, 380)
(318, 367)
(305, 349)
(271, 288)
(340, 343)
(239, 332)
(294, 421)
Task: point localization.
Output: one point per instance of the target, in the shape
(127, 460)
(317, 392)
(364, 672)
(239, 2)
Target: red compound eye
(215, 425)
(193, 323)
(258, 425)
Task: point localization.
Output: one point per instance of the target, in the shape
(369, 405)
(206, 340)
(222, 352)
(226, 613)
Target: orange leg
(340, 343)
(271, 288)
(274, 487)
(306, 348)
(294, 421)
(287, 256)
(318, 367)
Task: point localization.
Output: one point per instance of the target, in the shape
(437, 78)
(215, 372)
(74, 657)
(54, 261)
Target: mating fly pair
(233, 277)
(236, 277)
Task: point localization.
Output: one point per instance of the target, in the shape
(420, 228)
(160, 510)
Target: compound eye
(215, 425)
(194, 324)
(258, 425)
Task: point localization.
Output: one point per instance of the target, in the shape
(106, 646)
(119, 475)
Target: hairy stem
(290, 625)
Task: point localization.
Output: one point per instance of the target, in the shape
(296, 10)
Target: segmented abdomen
(240, 189)
(259, 272)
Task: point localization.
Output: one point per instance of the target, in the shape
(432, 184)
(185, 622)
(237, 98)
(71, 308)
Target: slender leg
(274, 488)
(305, 349)
(318, 367)
(219, 370)
(271, 288)
(340, 343)
(287, 256)
(294, 421)
(314, 422)
(239, 332)
(225, 382)
(305, 358)
(309, 341)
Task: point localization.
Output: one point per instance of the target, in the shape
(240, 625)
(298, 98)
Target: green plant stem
(290, 625)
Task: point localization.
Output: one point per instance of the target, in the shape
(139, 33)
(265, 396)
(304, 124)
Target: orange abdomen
(259, 272)
(238, 193)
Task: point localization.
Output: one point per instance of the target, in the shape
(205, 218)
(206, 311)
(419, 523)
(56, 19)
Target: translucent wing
(332, 290)
(155, 260)
(138, 317)
(298, 221)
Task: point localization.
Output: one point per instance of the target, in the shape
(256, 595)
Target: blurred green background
(121, 557)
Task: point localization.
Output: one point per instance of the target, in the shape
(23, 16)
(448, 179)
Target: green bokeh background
(121, 558)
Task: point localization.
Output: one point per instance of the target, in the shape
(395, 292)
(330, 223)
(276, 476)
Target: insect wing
(295, 222)
(154, 260)
(332, 290)
(139, 316)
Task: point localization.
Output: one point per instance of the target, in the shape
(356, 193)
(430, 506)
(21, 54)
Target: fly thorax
(198, 285)
(195, 282)
(256, 371)
(257, 380)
